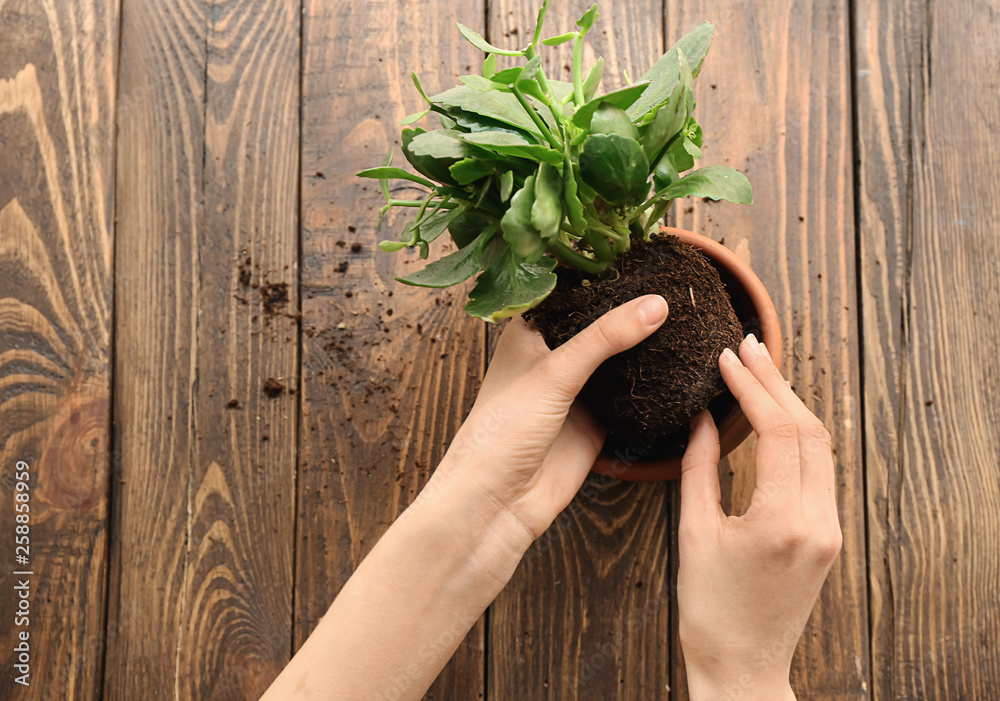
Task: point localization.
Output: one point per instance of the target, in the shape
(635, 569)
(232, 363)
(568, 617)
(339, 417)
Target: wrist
(489, 536)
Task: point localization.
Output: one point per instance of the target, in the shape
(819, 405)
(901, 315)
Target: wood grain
(388, 371)
(207, 312)
(57, 97)
(587, 615)
(160, 149)
(237, 628)
(927, 119)
(774, 101)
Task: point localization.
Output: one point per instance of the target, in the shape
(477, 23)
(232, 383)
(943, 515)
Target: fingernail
(731, 357)
(766, 352)
(653, 310)
(752, 344)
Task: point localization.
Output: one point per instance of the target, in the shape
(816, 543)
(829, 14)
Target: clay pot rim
(736, 428)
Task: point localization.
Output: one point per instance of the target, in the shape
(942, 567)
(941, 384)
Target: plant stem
(555, 107)
(600, 245)
(536, 118)
(538, 27)
(419, 203)
(658, 211)
(578, 69)
(570, 257)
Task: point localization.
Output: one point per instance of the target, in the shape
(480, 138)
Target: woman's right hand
(747, 584)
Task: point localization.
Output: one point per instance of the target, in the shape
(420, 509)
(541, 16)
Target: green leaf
(440, 143)
(508, 76)
(500, 106)
(561, 39)
(609, 119)
(664, 174)
(420, 89)
(494, 250)
(473, 122)
(433, 168)
(477, 40)
(490, 65)
(692, 148)
(588, 19)
(616, 167)
(561, 89)
(668, 122)
(469, 225)
(506, 185)
(510, 286)
(619, 98)
(508, 144)
(714, 182)
(469, 170)
(416, 116)
(478, 82)
(454, 268)
(664, 74)
(530, 70)
(524, 239)
(395, 173)
(683, 150)
(679, 154)
(392, 246)
(593, 79)
(430, 227)
(546, 212)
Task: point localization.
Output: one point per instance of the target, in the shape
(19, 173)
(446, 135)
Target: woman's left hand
(526, 443)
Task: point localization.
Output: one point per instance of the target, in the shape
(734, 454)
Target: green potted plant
(554, 195)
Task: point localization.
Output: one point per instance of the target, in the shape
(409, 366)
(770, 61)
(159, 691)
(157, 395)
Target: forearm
(411, 602)
(711, 688)
(738, 674)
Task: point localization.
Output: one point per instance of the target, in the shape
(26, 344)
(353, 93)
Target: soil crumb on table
(273, 388)
(274, 295)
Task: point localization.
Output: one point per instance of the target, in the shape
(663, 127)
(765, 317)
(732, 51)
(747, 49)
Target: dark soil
(274, 295)
(273, 388)
(647, 395)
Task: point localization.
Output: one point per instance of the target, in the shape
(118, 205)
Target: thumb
(701, 496)
(616, 331)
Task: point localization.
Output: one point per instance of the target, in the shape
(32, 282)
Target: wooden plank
(57, 94)
(160, 150)
(242, 495)
(207, 312)
(774, 99)
(587, 614)
(382, 395)
(886, 39)
(927, 115)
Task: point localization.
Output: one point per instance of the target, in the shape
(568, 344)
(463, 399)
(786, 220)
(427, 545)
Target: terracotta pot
(756, 312)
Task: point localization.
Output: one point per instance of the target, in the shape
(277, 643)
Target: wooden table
(179, 224)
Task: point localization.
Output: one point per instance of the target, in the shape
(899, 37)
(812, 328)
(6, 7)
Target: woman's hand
(515, 464)
(528, 446)
(747, 584)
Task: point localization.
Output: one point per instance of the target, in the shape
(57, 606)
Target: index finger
(818, 475)
(778, 468)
